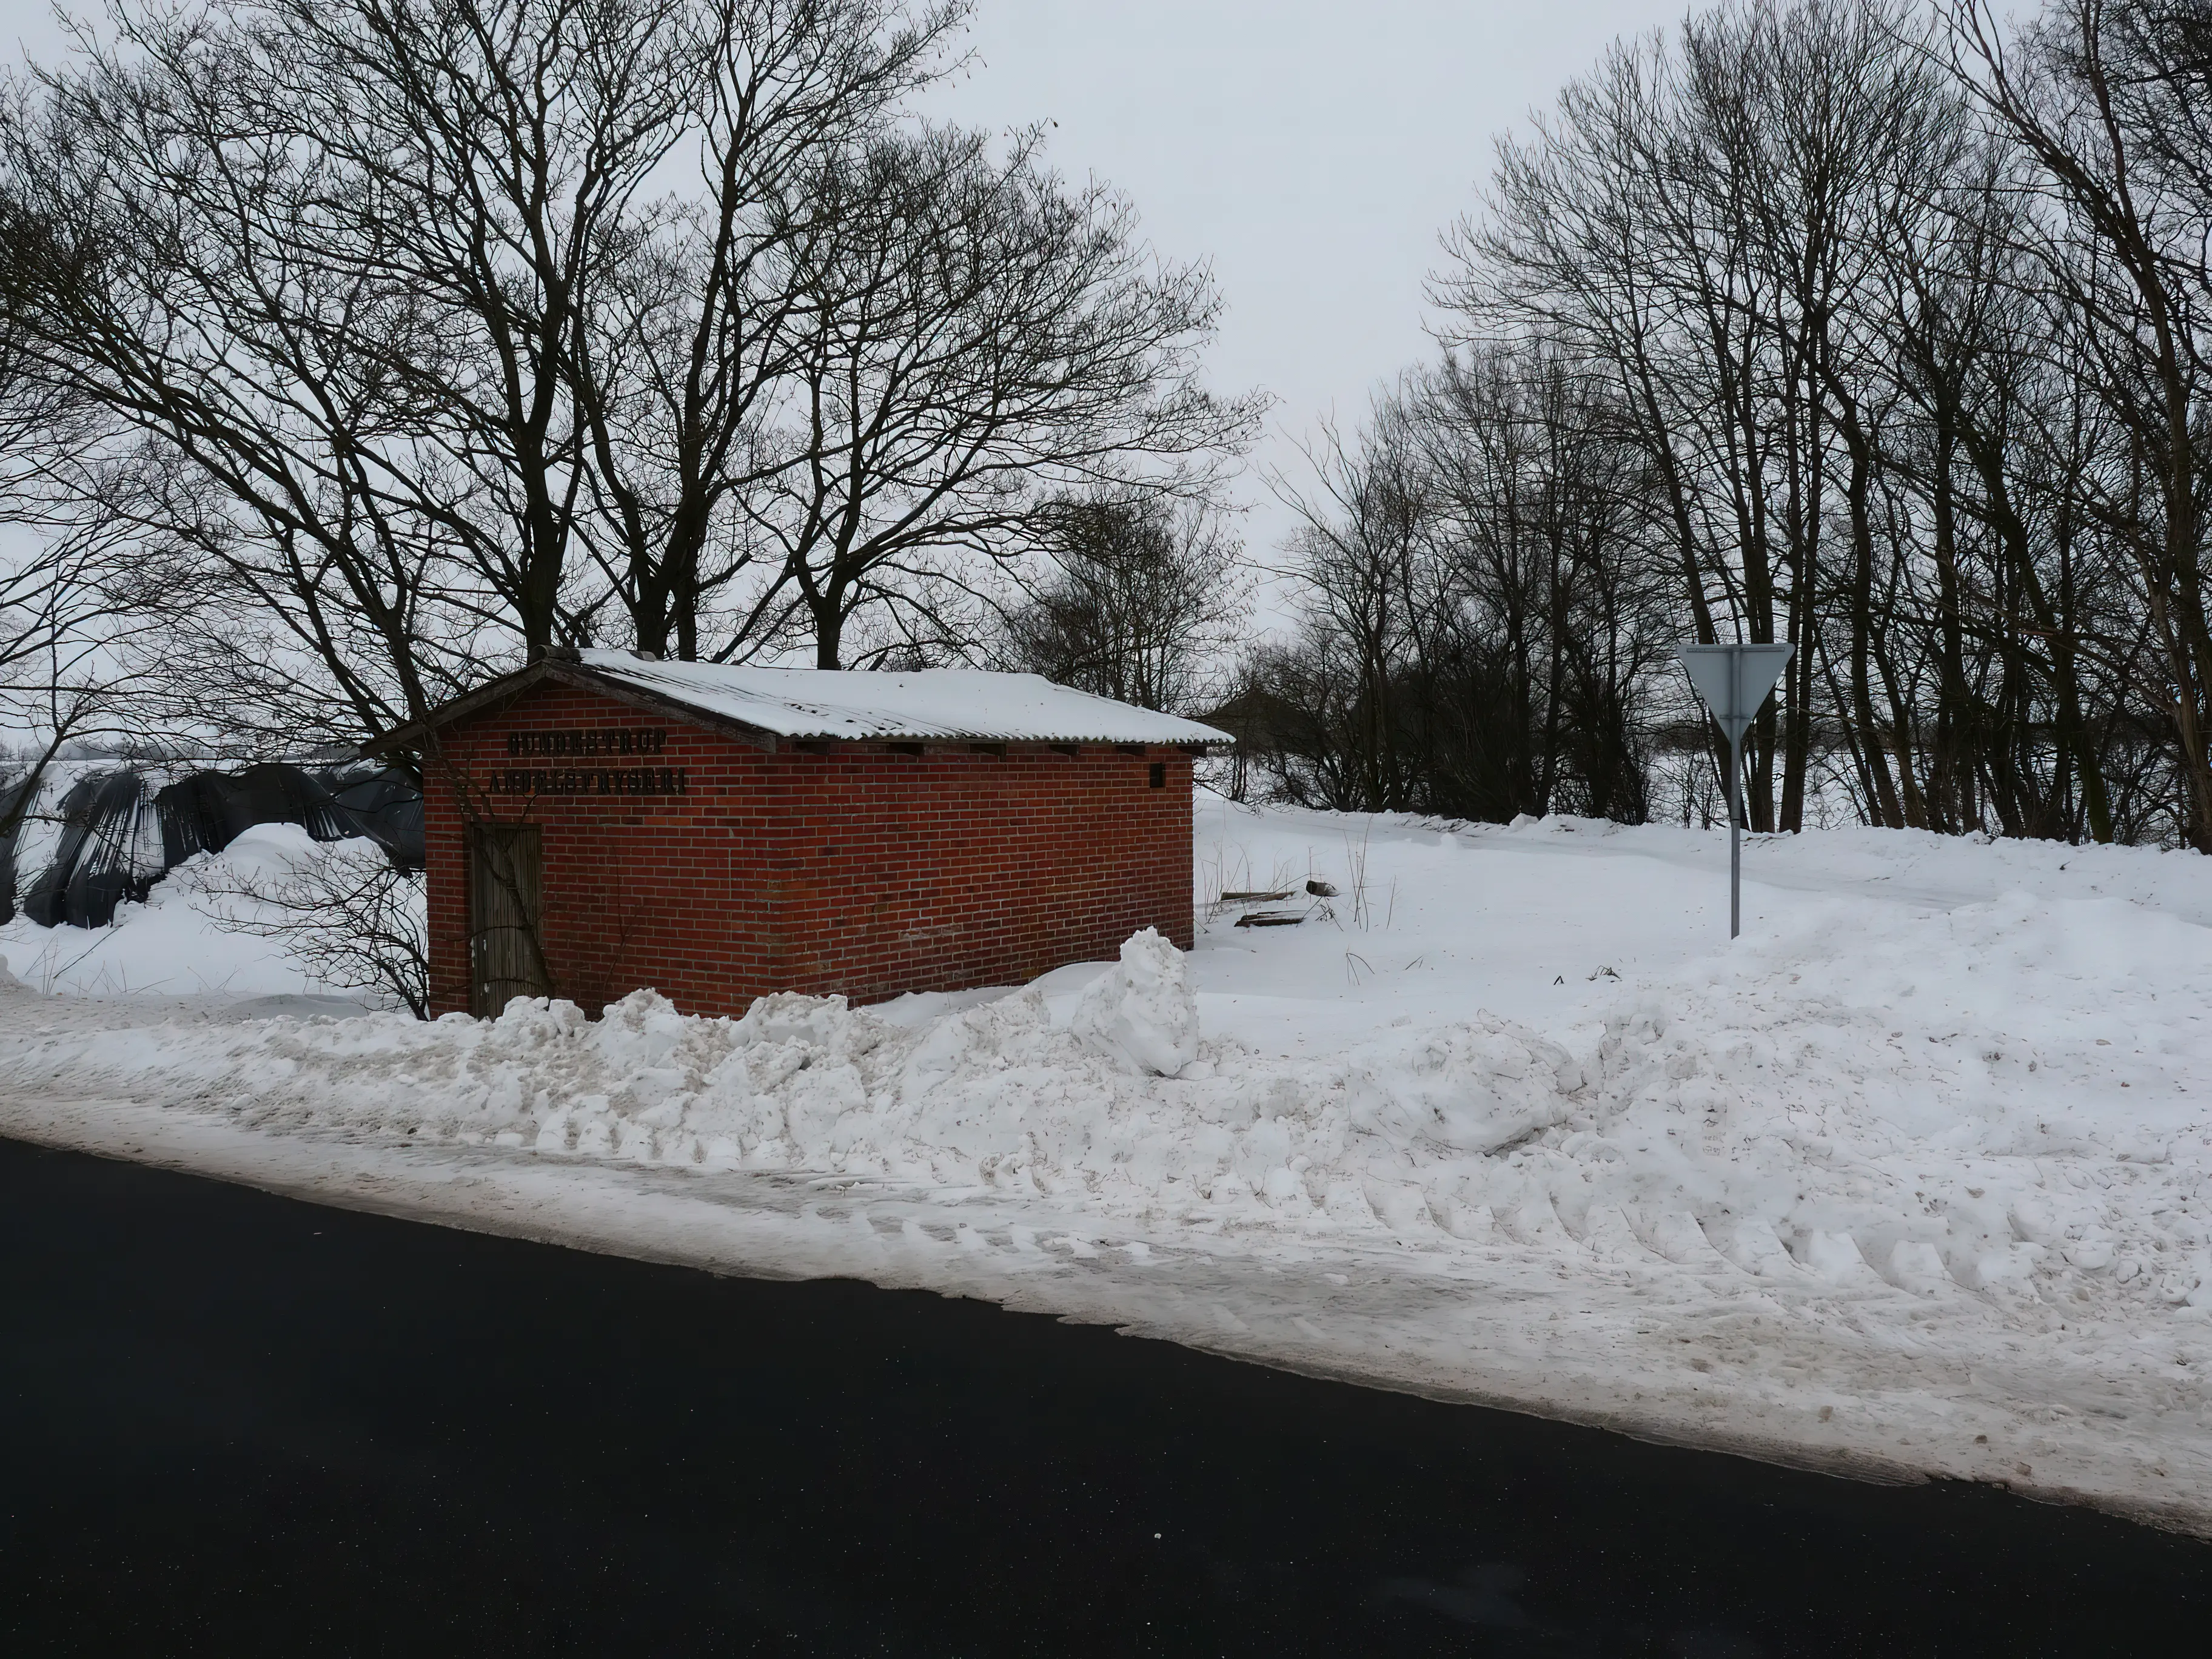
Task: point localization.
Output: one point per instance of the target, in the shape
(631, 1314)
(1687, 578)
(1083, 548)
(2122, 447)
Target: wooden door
(506, 868)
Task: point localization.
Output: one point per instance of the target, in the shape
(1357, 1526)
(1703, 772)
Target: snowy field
(1909, 1181)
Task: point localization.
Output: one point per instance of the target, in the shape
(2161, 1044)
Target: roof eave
(489, 698)
(1196, 746)
(417, 734)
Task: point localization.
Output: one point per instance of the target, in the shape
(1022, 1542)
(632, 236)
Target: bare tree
(1873, 328)
(274, 465)
(1353, 563)
(68, 603)
(1482, 603)
(2114, 103)
(1545, 608)
(976, 340)
(1695, 223)
(1140, 603)
(417, 374)
(679, 366)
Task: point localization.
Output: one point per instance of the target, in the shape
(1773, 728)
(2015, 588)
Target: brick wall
(860, 869)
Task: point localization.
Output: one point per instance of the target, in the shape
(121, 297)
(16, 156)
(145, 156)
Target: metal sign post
(1734, 681)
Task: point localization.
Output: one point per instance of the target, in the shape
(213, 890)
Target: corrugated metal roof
(963, 704)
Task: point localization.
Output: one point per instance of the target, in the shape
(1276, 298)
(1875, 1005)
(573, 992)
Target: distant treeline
(1877, 328)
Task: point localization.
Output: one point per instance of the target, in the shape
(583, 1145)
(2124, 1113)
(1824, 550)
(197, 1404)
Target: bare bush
(348, 917)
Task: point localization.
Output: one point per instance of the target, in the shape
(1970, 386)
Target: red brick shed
(606, 822)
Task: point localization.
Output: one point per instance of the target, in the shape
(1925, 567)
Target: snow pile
(1928, 1105)
(1141, 1012)
(1850, 1104)
(174, 943)
(1991, 1099)
(996, 1095)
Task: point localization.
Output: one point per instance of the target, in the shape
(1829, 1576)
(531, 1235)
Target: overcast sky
(1309, 150)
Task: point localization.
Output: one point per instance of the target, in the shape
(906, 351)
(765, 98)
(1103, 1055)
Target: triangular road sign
(1734, 679)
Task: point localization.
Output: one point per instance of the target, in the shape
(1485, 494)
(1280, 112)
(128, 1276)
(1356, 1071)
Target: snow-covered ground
(171, 945)
(1909, 1180)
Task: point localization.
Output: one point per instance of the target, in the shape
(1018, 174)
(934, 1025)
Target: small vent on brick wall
(1159, 775)
(986, 749)
(1065, 748)
(1129, 748)
(904, 748)
(811, 746)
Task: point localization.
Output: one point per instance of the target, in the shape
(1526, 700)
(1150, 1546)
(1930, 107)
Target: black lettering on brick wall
(591, 780)
(607, 740)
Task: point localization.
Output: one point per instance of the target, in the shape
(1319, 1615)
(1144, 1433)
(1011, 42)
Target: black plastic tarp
(387, 808)
(104, 855)
(120, 836)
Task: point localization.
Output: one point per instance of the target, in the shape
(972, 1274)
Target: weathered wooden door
(507, 866)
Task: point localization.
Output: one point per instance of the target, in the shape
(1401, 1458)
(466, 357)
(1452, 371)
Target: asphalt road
(238, 1423)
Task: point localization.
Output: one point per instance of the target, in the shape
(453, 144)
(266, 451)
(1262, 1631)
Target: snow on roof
(937, 704)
